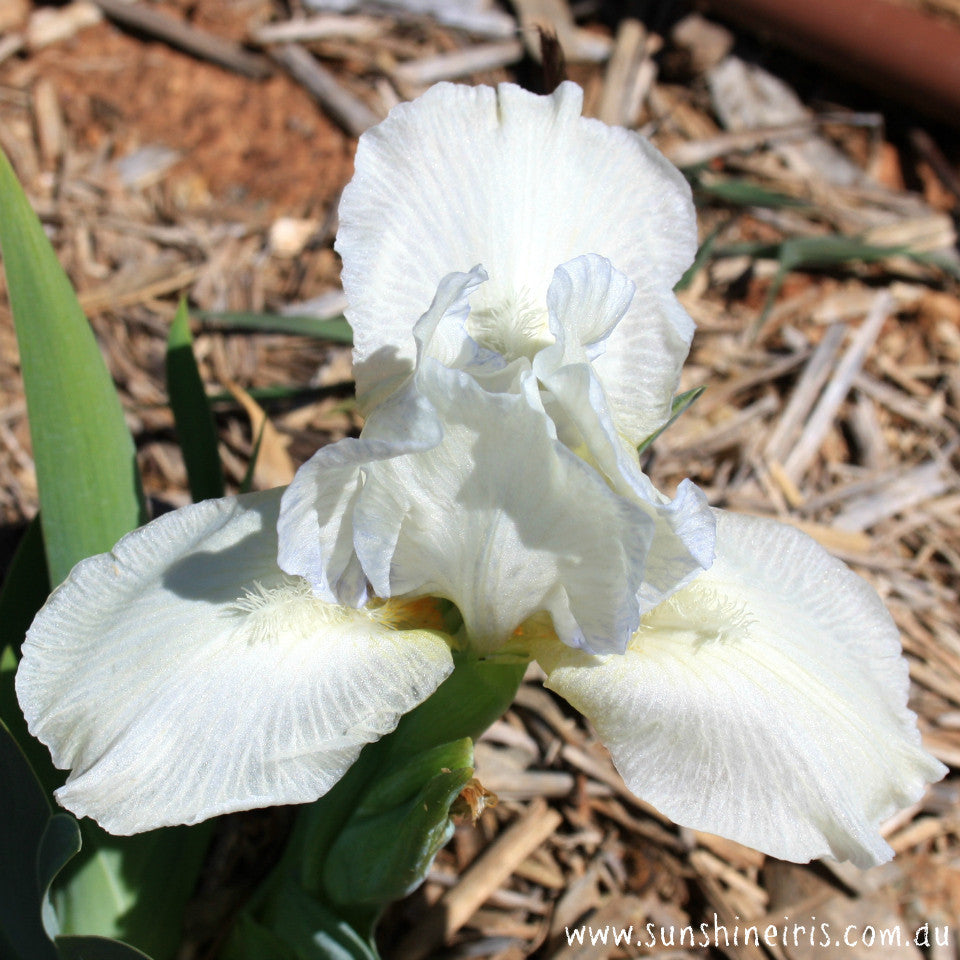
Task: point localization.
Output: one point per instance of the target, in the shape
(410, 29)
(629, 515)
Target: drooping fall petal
(765, 702)
(185, 675)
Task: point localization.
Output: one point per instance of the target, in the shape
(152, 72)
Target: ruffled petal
(640, 365)
(520, 184)
(184, 675)
(765, 702)
(586, 300)
(315, 534)
(684, 536)
(504, 521)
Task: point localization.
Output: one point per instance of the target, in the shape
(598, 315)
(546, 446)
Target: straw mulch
(832, 404)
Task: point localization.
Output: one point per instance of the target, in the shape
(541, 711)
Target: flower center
(511, 323)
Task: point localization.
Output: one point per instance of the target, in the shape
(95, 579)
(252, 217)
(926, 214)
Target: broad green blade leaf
(680, 404)
(87, 475)
(59, 844)
(132, 888)
(332, 328)
(250, 940)
(129, 887)
(196, 430)
(12, 716)
(24, 814)
(90, 496)
(25, 588)
(314, 931)
(96, 948)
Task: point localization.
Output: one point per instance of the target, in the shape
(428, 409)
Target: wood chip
(893, 496)
(804, 395)
(274, 467)
(186, 37)
(620, 103)
(554, 16)
(416, 74)
(50, 131)
(322, 27)
(822, 417)
(457, 905)
(348, 110)
(50, 25)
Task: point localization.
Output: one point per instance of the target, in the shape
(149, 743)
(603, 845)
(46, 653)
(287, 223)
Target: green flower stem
(409, 777)
(476, 694)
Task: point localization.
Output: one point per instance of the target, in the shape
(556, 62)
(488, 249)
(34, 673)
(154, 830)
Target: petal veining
(765, 702)
(587, 299)
(315, 530)
(520, 184)
(185, 675)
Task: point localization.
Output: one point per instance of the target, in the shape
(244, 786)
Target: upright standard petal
(520, 184)
(458, 486)
(185, 675)
(765, 702)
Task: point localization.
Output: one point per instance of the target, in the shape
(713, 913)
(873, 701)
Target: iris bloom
(509, 267)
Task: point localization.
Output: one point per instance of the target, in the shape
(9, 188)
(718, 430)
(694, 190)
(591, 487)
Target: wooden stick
(10, 44)
(484, 877)
(349, 111)
(621, 74)
(805, 393)
(321, 27)
(459, 63)
(825, 411)
(923, 482)
(190, 39)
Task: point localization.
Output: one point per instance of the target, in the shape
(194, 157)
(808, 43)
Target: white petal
(315, 534)
(640, 365)
(683, 542)
(765, 702)
(521, 184)
(586, 299)
(504, 521)
(184, 675)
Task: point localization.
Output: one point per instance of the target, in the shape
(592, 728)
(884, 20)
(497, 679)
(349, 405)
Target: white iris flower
(509, 267)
